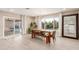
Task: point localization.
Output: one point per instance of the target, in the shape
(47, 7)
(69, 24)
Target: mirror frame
(76, 26)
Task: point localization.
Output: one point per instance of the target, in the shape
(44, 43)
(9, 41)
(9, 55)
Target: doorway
(12, 26)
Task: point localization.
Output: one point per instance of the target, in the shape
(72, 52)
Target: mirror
(69, 26)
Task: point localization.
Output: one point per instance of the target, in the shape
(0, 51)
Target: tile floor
(25, 42)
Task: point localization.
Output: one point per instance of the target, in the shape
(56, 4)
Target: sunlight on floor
(18, 37)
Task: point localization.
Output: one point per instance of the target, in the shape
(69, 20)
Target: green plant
(32, 26)
(29, 30)
(49, 25)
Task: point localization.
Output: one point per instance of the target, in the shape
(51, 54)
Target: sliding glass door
(18, 26)
(12, 26)
(9, 27)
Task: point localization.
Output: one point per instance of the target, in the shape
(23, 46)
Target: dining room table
(46, 33)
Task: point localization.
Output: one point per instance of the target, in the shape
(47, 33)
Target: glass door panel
(17, 26)
(9, 27)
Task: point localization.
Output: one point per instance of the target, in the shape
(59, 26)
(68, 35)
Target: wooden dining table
(44, 33)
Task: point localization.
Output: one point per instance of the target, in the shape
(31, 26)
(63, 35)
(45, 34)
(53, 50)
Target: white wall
(60, 25)
(38, 21)
(26, 20)
(1, 26)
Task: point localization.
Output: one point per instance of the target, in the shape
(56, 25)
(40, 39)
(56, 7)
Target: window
(50, 23)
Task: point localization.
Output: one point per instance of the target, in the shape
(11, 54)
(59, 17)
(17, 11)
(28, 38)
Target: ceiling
(36, 11)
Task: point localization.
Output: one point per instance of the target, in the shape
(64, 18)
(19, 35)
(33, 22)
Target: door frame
(4, 18)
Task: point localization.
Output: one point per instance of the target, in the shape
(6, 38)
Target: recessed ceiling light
(64, 8)
(11, 10)
(27, 8)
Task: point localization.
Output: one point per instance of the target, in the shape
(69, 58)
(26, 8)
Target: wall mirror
(70, 26)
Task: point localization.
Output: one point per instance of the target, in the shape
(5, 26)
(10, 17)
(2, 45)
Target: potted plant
(32, 26)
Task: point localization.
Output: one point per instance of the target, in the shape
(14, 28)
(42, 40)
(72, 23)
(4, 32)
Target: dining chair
(46, 37)
(53, 35)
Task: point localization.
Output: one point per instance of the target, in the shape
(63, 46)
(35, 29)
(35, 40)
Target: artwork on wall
(70, 26)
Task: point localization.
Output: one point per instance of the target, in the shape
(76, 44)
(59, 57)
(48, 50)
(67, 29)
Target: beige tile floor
(25, 42)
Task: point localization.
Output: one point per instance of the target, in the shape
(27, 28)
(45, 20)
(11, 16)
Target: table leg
(48, 38)
(32, 34)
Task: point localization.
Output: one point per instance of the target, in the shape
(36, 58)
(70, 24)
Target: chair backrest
(53, 34)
